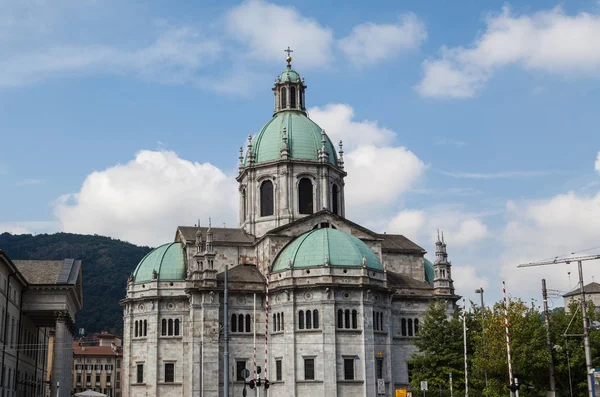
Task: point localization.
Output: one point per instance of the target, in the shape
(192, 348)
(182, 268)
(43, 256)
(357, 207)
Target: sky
(480, 119)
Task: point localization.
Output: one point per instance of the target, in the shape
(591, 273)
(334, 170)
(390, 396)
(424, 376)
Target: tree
(440, 346)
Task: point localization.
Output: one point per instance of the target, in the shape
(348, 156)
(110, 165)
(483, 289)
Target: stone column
(328, 324)
(61, 363)
(368, 343)
(211, 360)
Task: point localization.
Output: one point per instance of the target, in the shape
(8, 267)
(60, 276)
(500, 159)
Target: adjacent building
(334, 306)
(592, 294)
(97, 365)
(38, 303)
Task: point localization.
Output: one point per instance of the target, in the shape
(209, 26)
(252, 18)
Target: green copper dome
(303, 139)
(167, 260)
(289, 75)
(314, 248)
(428, 271)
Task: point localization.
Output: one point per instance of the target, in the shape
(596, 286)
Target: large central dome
(303, 139)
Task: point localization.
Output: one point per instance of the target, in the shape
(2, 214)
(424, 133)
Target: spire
(241, 158)
(444, 253)
(249, 152)
(209, 237)
(439, 251)
(198, 238)
(341, 155)
(323, 155)
(285, 151)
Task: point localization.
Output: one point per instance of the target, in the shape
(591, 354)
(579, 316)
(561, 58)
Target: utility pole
(480, 291)
(586, 321)
(552, 391)
(465, 345)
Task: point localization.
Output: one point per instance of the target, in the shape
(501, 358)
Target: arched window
(283, 98)
(301, 319)
(163, 330)
(233, 323)
(416, 326)
(347, 318)
(293, 97)
(241, 323)
(301, 99)
(354, 319)
(315, 318)
(145, 328)
(248, 323)
(403, 326)
(177, 327)
(335, 199)
(275, 322)
(282, 322)
(305, 196)
(170, 327)
(410, 327)
(340, 318)
(308, 319)
(266, 198)
(136, 329)
(381, 321)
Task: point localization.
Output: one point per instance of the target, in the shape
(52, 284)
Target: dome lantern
(289, 89)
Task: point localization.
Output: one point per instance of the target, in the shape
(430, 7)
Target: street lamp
(480, 291)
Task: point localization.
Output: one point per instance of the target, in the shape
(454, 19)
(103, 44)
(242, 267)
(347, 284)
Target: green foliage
(440, 346)
(106, 262)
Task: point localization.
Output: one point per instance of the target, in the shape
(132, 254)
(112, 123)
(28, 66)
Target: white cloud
(543, 229)
(144, 200)
(466, 280)
(371, 160)
(268, 29)
(496, 175)
(597, 164)
(370, 43)
(29, 227)
(337, 120)
(549, 41)
(409, 223)
(174, 58)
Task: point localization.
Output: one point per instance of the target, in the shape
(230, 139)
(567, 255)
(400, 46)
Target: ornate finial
(285, 151)
(326, 259)
(250, 153)
(438, 231)
(288, 59)
(209, 223)
(154, 274)
(241, 158)
(341, 155)
(323, 155)
(364, 261)
(443, 237)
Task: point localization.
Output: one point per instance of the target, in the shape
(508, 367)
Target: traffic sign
(424, 385)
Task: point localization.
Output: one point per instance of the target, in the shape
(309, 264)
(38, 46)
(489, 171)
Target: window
(233, 323)
(239, 366)
(340, 318)
(293, 97)
(416, 326)
(145, 327)
(403, 326)
(309, 369)
(354, 319)
(335, 199)
(140, 373)
(315, 318)
(170, 327)
(97, 378)
(283, 98)
(278, 370)
(108, 378)
(347, 318)
(248, 323)
(244, 204)
(301, 99)
(275, 322)
(241, 323)
(301, 319)
(308, 319)
(169, 372)
(305, 196)
(349, 368)
(378, 321)
(163, 330)
(266, 198)
(379, 368)
(410, 327)
(177, 327)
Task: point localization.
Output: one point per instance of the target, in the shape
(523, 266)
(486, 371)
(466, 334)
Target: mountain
(106, 265)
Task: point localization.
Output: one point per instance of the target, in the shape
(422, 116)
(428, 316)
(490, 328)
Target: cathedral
(325, 307)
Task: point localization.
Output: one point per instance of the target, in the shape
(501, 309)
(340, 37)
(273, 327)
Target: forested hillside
(106, 265)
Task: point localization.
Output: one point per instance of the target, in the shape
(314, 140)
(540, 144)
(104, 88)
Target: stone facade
(331, 329)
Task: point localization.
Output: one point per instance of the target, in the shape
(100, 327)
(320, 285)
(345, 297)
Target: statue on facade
(130, 278)
(154, 274)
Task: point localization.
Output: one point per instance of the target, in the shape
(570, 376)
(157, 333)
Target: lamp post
(480, 291)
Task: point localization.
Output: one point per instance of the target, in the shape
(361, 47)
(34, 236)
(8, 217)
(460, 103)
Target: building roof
(303, 139)
(167, 261)
(401, 281)
(398, 243)
(591, 288)
(326, 247)
(43, 272)
(220, 235)
(105, 351)
(243, 273)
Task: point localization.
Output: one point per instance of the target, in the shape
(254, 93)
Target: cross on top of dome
(289, 57)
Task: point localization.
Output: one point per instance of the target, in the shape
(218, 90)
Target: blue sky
(479, 118)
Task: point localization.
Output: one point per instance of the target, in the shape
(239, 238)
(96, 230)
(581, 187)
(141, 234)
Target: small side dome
(428, 268)
(167, 260)
(326, 246)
